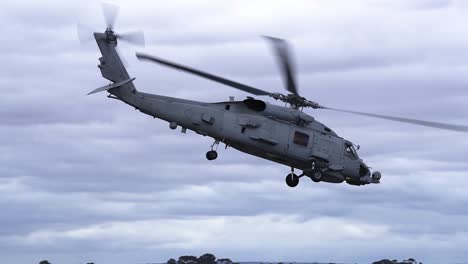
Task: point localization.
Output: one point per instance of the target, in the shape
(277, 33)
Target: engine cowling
(277, 112)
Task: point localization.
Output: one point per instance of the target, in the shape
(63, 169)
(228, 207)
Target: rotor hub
(110, 35)
(295, 100)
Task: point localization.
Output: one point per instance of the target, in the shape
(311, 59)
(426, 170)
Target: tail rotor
(112, 64)
(110, 13)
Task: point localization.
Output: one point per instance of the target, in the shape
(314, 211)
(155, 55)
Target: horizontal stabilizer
(111, 86)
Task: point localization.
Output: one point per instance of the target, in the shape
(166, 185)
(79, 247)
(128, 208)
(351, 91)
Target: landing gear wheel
(292, 180)
(316, 175)
(211, 155)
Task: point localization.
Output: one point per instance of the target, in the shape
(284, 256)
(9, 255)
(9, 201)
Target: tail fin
(111, 65)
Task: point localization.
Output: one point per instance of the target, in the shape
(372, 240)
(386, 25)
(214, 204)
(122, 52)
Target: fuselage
(280, 134)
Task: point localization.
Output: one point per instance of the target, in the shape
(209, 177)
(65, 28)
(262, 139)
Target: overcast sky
(85, 178)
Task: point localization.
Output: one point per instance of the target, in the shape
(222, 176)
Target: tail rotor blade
(85, 33)
(122, 58)
(110, 13)
(134, 37)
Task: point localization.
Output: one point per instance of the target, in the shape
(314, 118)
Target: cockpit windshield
(351, 151)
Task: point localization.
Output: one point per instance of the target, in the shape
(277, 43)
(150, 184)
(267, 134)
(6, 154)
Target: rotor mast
(295, 101)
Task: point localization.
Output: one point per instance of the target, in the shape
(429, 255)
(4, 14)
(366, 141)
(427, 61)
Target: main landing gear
(212, 154)
(316, 175)
(292, 180)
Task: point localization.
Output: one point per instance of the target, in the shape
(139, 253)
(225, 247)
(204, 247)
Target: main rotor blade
(281, 49)
(110, 13)
(208, 76)
(445, 126)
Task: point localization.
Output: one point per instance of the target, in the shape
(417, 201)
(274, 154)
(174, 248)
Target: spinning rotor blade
(110, 13)
(122, 57)
(205, 75)
(133, 37)
(85, 33)
(281, 49)
(445, 126)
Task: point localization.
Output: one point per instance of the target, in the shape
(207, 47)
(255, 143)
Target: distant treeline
(387, 261)
(203, 259)
(211, 259)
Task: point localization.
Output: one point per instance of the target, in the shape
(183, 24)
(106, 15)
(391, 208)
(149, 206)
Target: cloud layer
(84, 178)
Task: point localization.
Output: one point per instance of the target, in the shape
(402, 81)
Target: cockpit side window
(350, 151)
(301, 139)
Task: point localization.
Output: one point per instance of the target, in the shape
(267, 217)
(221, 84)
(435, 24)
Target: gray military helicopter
(282, 134)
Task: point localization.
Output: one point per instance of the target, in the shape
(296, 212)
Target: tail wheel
(292, 180)
(316, 175)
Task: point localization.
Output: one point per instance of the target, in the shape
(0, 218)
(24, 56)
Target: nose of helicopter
(364, 170)
(367, 176)
(376, 175)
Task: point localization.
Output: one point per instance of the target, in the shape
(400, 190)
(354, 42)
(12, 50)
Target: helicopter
(283, 134)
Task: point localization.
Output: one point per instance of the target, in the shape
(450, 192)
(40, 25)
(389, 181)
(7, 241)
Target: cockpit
(350, 151)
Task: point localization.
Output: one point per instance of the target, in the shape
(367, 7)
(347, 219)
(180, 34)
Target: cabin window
(351, 151)
(228, 107)
(301, 139)
(243, 130)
